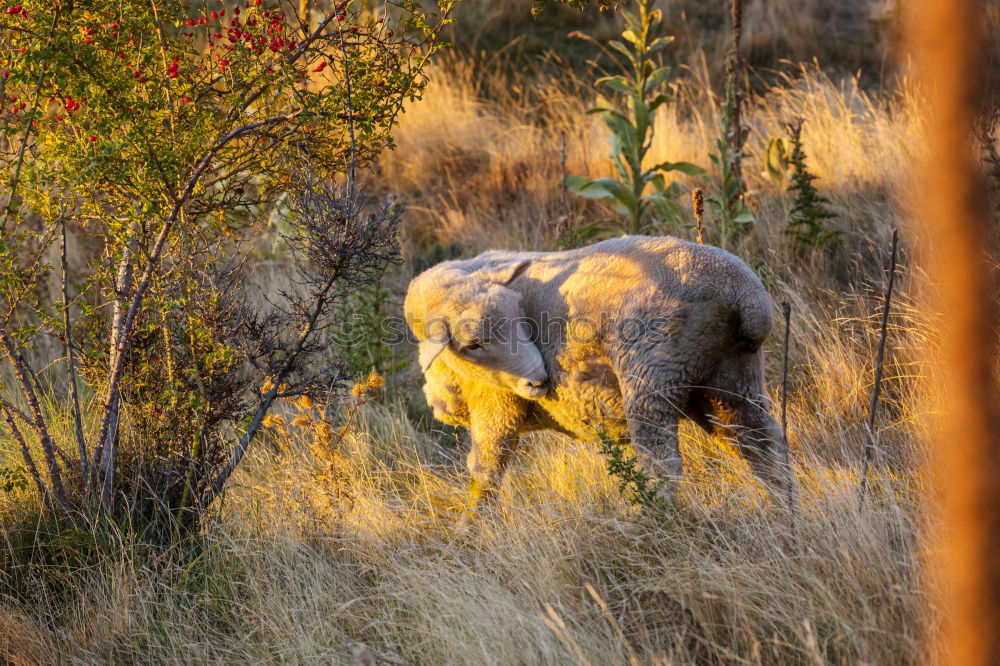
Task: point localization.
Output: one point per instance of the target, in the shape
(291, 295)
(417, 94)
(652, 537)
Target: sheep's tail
(754, 318)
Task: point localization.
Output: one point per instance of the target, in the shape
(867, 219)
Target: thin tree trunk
(71, 365)
(104, 456)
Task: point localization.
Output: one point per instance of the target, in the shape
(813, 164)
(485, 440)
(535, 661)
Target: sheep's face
(479, 330)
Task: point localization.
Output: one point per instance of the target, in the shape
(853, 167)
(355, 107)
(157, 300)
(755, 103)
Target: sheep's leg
(652, 421)
(699, 410)
(741, 409)
(494, 441)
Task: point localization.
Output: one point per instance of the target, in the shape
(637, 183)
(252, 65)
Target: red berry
(381, 19)
(341, 17)
(320, 67)
(58, 117)
(92, 138)
(215, 14)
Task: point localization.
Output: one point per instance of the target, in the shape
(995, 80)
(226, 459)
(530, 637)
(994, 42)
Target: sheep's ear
(508, 275)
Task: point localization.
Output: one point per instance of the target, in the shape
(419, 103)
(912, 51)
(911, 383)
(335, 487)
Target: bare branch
(29, 462)
(873, 408)
(351, 173)
(333, 242)
(24, 378)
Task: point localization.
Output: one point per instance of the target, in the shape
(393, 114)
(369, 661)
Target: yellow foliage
(274, 421)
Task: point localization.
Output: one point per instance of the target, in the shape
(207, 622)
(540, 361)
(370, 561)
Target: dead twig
(879, 359)
(27, 380)
(29, 462)
(793, 503)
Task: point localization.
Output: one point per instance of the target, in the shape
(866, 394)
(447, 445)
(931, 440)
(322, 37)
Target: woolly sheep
(622, 338)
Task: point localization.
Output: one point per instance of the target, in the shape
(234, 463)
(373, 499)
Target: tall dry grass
(301, 564)
(565, 571)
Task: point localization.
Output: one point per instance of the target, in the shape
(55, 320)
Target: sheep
(619, 339)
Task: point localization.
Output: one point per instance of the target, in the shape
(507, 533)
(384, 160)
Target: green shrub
(807, 219)
(638, 486)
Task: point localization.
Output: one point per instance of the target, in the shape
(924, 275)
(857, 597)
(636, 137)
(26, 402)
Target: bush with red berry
(168, 135)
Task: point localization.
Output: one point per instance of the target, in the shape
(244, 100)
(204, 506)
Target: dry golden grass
(565, 571)
(299, 564)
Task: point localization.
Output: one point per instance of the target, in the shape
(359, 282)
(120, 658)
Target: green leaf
(617, 83)
(632, 37)
(621, 48)
(659, 101)
(657, 180)
(661, 42)
(683, 167)
(618, 196)
(656, 78)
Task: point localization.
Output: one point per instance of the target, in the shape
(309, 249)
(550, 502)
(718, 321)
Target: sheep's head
(475, 324)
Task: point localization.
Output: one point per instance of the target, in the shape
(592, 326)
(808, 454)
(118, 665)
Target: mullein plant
(733, 215)
(641, 198)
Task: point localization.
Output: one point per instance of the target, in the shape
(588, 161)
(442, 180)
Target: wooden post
(944, 39)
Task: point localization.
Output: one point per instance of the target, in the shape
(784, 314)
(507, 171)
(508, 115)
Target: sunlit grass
(300, 563)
